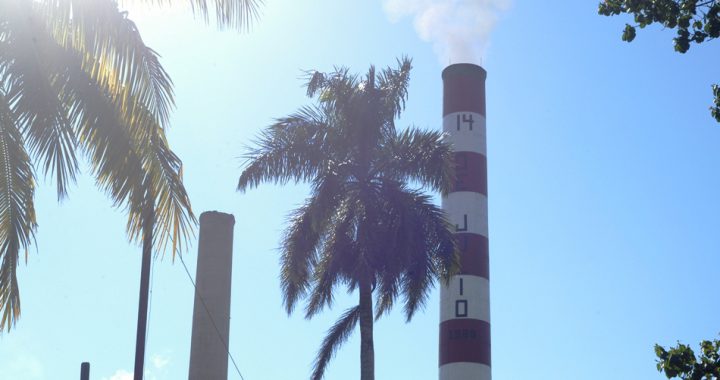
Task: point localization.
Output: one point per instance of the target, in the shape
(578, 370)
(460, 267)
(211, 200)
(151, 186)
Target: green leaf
(628, 33)
(684, 22)
(715, 110)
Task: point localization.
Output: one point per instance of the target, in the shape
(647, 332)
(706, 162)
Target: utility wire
(211, 317)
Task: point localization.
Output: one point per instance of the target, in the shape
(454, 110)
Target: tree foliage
(362, 227)
(233, 14)
(695, 22)
(77, 80)
(681, 362)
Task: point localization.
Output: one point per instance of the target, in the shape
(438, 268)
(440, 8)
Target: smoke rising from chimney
(458, 29)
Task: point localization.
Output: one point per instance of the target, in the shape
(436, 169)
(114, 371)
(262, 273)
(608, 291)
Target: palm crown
(75, 76)
(362, 226)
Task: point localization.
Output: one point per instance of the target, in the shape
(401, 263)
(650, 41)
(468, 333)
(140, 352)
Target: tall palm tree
(362, 226)
(76, 79)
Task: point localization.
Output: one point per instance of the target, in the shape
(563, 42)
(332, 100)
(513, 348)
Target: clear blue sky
(603, 190)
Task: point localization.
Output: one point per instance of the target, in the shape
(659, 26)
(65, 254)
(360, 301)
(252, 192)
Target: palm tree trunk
(148, 224)
(367, 350)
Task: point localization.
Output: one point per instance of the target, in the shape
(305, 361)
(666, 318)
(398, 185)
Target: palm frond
(17, 212)
(439, 257)
(174, 219)
(336, 257)
(424, 248)
(296, 259)
(336, 91)
(370, 79)
(114, 54)
(76, 73)
(420, 156)
(304, 237)
(393, 83)
(329, 86)
(127, 163)
(32, 76)
(103, 137)
(336, 336)
(397, 237)
(387, 293)
(235, 14)
(291, 149)
(416, 283)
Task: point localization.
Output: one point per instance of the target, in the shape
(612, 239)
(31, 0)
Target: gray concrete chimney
(211, 318)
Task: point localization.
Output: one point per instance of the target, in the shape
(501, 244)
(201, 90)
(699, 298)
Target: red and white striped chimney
(465, 301)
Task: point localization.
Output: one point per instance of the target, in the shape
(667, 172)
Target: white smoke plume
(458, 29)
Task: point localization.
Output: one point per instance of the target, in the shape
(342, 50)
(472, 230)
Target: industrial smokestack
(211, 314)
(465, 300)
(84, 371)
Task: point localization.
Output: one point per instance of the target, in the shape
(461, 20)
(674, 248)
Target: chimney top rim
(217, 215)
(464, 69)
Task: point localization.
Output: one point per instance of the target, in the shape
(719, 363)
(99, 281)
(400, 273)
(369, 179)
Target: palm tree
(362, 226)
(77, 79)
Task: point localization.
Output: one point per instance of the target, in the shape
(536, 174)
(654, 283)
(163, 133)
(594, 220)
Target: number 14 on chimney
(465, 118)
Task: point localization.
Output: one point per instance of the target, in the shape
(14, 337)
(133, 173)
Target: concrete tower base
(211, 314)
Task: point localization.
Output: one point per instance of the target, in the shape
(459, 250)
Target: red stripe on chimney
(474, 254)
(465, 340)
(470, 172)
(464, 89)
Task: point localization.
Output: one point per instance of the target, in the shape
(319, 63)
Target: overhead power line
(202, 301)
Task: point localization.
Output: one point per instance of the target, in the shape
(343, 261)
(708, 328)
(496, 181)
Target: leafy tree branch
(694, 21)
